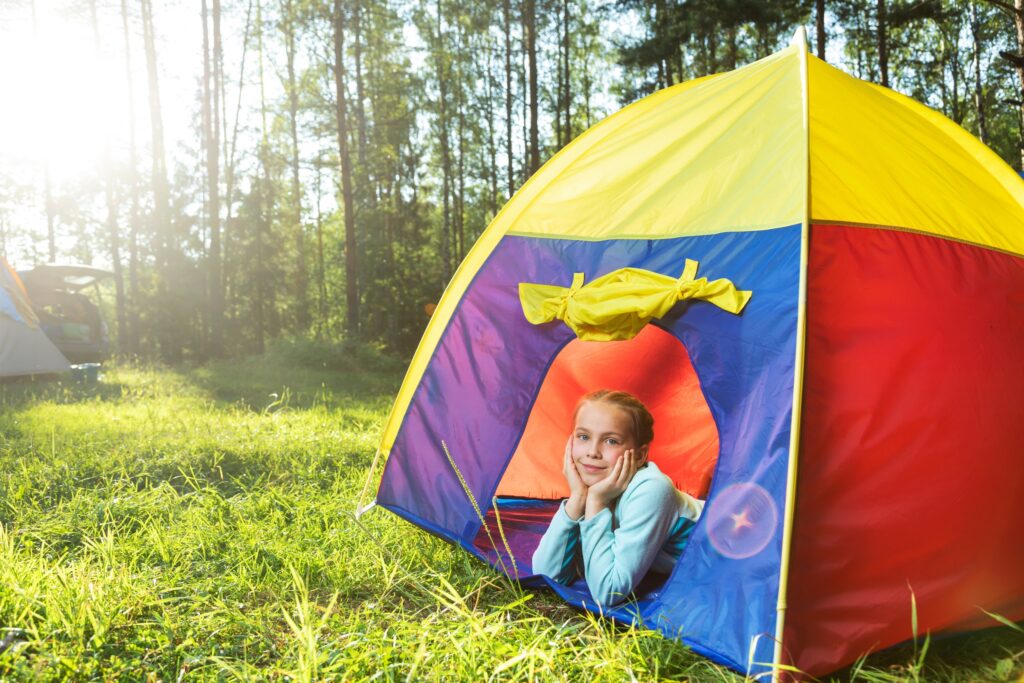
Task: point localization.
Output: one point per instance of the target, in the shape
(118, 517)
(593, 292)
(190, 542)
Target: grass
(195, 524)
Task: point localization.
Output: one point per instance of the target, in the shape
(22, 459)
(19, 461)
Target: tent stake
(360, 508)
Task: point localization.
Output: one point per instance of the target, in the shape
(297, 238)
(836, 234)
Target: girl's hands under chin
(601, 494)
(572, 475)
(576, 504)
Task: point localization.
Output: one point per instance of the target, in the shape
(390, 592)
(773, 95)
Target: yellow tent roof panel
(713, 155)
(879, 158)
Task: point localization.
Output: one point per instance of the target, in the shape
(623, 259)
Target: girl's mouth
(590, 468)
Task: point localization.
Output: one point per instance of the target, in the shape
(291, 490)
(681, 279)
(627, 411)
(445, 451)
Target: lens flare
(741, 520)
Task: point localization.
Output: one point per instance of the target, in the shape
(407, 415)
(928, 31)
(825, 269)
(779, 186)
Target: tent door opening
(655, 367)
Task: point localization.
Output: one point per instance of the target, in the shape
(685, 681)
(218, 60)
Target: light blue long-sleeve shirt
(650, 525)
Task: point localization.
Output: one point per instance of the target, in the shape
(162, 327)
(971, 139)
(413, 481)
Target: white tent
(24, 348)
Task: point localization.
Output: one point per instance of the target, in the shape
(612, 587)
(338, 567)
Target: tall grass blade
(501, 532)
(1003, 620)
(476, 507)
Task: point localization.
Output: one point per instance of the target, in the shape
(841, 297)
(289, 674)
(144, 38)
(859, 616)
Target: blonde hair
(643, 421)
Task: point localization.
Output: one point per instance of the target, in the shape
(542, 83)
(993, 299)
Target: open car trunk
(67, 316)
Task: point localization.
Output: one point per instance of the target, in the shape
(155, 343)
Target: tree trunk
(1018, 22)
(524, 113)
(860, 22)
(587, 93)
(320, 263)
(659, 33)
(211, 142)
(51, 222)
(702, 53)
(357, 41)
(559, 85)
(733, 51)
(348, 206)
(492, 146)
(530, 23)
(713, 50)
(949, 54)
(943, 88)
(260, 303)
(390, 239)
(166, 332)
(130, 340)
(301, 277)
(979, 95)
(566, 46)
(460, 104)
(213, 170)
(508, 99)
(819, 27)
(230, 147)
(113, 229)
(446, 168)
(48, 204)
(882, 29)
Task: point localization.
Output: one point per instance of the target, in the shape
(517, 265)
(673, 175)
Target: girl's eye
(612, 442)
(582, 437)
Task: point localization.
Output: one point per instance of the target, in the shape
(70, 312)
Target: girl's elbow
(611, 593)
(543, 567)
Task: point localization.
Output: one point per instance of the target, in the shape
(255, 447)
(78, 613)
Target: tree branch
(1002, 5)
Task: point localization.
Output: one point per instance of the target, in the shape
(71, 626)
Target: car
(67, 316)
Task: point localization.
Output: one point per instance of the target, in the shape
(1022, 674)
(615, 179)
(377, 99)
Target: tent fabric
(11, 308)
(914, 448)
(24, 348)
(879, 158)
(469, 401)
(616, 306)
(884, 246)
(14, 300)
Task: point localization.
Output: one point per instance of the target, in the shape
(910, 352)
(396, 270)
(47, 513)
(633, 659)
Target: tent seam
(825, 222)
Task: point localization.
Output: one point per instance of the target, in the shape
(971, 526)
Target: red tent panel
(912, 442)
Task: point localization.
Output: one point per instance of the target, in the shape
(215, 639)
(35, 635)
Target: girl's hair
(643, 421)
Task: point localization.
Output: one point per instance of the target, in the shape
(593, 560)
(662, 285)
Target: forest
(340, 157)
(282, 190)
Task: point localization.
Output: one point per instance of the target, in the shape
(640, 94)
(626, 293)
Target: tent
(856, 429)
(24, 348)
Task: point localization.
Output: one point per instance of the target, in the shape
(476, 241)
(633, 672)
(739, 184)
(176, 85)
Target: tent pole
(800, 42)
(360, 508)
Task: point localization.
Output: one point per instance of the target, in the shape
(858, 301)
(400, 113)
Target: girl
(623, 516)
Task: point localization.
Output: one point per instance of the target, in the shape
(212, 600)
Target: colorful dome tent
(24, 348)
(856, 429)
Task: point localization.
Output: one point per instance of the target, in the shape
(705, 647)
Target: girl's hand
(572, 475)
(603, 493)
(576, 504)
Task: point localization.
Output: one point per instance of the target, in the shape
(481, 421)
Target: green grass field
(195, 524)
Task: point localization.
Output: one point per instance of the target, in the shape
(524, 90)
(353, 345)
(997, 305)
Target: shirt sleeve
(615, 560)
(558, 546)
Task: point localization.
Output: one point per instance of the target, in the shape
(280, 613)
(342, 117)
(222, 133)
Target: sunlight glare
(63, 99)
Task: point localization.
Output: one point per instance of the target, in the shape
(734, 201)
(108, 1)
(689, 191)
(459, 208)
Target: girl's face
(602, 434)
